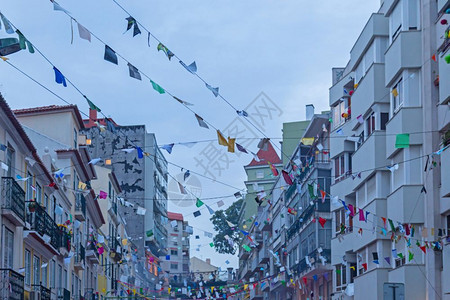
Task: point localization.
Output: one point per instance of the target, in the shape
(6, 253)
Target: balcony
(63, 294)
(80, 258)
(11, 285)
(378, 25)
(375, 148)
(263, 256)
(371, 283)
(80, 207)
(64, 241)
(401, 123)
(411, 275)
(371, 90)
(401, 205)
(92, 253)
(115, 248)
(399, 55)
(43, 292)
(42, 228)
(337, 90)
(13, 201)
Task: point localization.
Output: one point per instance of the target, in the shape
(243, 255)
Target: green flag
(402, 140)
(247, 248)
(92, 105)
(211, 244)
(199, 203)
(401, 255)
(157, 87)
(149, 233)
(447, 59)
(410, 256)
(392, 225)
(311, 191)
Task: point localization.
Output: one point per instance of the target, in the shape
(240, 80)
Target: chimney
(309, 112)
(208, 261)
(92, 115)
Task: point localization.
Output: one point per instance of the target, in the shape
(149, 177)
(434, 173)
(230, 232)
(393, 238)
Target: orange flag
(231, 143)
(222, 139)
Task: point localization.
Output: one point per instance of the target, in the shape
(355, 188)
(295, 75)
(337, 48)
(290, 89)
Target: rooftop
(174, 216)
(51, 108)
(266, 156)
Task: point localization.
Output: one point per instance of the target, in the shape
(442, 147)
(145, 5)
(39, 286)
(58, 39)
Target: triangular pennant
(201, 122)
(214, 90)
(92, 106)
(240, 148)
(157, 87)
(322, 221)
(286, 177)
(83, 32)
(168, 147)
(24, 43)
(192, 68)
(221, 139)
(183, 102)
(168, 53)
(199, 203)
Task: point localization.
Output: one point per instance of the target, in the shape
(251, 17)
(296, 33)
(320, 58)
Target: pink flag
(286, 177)
(361, 215)
(100, 250)
(103, 195)
(352, 210)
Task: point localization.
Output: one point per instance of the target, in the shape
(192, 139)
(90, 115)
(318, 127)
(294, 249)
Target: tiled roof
(50, 108)
(266, 156)
(174, 216)
(5, 107)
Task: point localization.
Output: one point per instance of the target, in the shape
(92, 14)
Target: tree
(219, 220)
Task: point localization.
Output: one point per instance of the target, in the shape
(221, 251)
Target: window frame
(397, 102)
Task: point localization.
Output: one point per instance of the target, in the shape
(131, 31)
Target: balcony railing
(11, 285)
(80, 254)
(13, 197)
(64, 239)
(63, 294)
(42, 223)
(80, 207)
(45, 293)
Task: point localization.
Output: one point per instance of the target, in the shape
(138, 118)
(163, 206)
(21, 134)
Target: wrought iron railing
(41, 222)
(44, 293)
(80, 254)
(63, 294)
(11, 285)
(13, 197)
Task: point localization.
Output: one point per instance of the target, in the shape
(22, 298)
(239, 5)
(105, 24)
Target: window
(8, 253)
(397, 95)
(352, 272)
(384, 118)
(259, 174)
(60, 280)
(29, 184)
(173, 266)
(38, 193)
(339, 111)
(73, 283)
(75, 138)
(65, 279)
(36, 270)
(173, 252)
(370, 122)
(52, 274)
(395, 20)
(341, 276)
(342, 219)
(340, 169)
(27, 267)
(10, 160)
(46, 203)
(45, 275)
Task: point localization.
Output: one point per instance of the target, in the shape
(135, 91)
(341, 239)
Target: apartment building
(391, 85)
(176, 263)
(142, 176)
(308, 242)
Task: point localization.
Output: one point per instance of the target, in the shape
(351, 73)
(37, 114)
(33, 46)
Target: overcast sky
(285, 49)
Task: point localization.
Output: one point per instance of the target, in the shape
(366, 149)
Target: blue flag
(59, 77)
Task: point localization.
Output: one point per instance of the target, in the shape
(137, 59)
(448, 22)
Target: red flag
(52, 184)
(286, 177)
(305, 280)
(364, 266)
(352, 210)
(433, 57)
(274, 170)
(323, 195)
(424, 249)
(322, 221)
(384, 221)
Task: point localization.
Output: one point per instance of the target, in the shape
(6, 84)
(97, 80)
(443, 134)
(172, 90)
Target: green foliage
(219, 220)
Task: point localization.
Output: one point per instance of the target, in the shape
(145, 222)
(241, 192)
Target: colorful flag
(240, 148)
(214, 90)
(168, 147)
(192, 68)
(197, 213)
(273, 169)
(83, 32)
(231, 143)
(402, 140)
(199, 203)
(201, 122)
(134, 72)
(307, 141)
(222, 140)
(286, 177)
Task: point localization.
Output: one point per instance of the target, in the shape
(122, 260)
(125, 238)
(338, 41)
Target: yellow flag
(231, 143)
(432, 232)
(222, 139)
(124, 242)
(395, 92)
(245, 286)
(308, 141)
(81, 185)
(4, 58)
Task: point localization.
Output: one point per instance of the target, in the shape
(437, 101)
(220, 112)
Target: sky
(284, 49)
